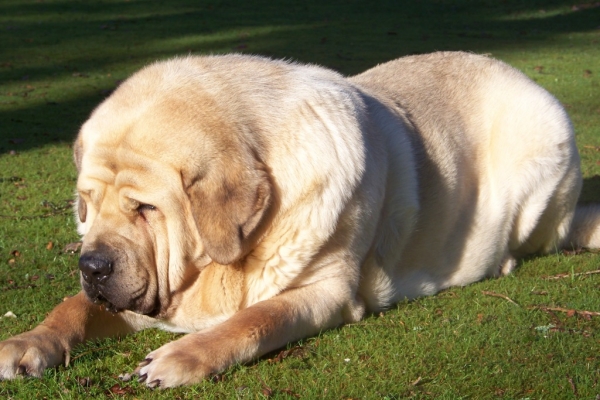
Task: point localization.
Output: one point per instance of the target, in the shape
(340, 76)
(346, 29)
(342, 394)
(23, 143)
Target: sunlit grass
(59, 59)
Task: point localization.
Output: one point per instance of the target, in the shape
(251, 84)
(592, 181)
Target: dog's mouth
(107, 305)
(135, 304)
(94, 293)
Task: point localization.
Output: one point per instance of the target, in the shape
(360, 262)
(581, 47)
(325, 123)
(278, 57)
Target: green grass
(58, 59)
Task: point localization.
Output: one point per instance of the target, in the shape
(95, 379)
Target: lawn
(534, 334)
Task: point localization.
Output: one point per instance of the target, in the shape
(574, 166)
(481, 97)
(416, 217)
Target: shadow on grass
(591, 190)
(61, 58)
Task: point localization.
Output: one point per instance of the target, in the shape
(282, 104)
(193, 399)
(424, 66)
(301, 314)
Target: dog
(251, 202)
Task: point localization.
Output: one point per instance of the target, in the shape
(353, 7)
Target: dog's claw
(22, 370)
(143, 378)
(155, 383)
(145, 362)
(141, 365)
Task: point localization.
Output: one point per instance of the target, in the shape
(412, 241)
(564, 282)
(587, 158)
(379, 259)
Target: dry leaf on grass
(289, 392)
(72, 248)
(296, 351)
(266, 390)
(118, 389)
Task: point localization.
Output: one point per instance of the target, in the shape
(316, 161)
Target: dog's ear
(81, 208)
(77, 154)
(228, 206)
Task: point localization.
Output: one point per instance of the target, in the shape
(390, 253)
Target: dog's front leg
(70, 323)
(250, 333)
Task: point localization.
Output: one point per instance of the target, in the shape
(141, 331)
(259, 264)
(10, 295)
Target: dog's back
(498, 172)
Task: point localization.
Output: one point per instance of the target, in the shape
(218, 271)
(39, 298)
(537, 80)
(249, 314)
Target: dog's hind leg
(585, 228)
(544, 219)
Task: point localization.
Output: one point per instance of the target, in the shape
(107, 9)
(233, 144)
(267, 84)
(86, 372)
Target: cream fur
(288, 199)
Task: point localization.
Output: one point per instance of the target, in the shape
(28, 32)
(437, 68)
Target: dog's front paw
(182, 362)
(30, 353)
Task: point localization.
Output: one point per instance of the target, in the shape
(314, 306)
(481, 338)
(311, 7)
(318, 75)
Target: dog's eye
(142, 208)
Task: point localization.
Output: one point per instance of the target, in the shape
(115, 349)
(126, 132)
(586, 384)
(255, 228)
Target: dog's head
(169, 180)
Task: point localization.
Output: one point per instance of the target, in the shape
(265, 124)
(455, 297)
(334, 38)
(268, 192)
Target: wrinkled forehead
(164, 133)
(123, 166)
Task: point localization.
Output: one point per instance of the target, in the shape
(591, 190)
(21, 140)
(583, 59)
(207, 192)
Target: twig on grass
(57, 210)
(28, 217)
(500, 296)
(416, 381)
(573, 386)
(568, 275)
(88, 352)
(568, 311)
(596, 148)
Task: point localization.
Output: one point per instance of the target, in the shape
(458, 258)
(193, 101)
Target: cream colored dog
(252, 202)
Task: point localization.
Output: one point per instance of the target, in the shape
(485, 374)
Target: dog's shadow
(590, 193)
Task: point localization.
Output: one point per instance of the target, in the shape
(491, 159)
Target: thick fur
(252, 202)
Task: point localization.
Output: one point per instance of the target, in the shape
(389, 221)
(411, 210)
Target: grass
(58, 59)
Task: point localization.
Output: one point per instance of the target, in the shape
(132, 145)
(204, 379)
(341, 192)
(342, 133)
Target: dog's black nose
(94, 267)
